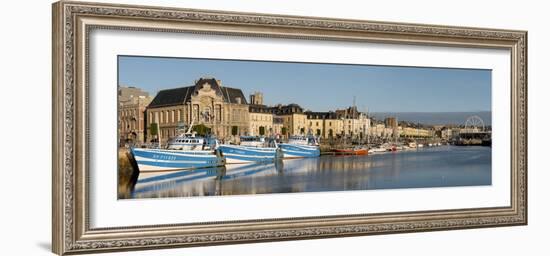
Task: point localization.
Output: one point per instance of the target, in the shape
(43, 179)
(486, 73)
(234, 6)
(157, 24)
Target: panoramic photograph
(191, 127)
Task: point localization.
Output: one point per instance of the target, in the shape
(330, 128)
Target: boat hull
(351, 151)
(299, 151)
(235, 154)
(166, 160)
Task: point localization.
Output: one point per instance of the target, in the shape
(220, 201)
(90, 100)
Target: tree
(154, 129)
(234, 130)
(201, 129)
(262, 131)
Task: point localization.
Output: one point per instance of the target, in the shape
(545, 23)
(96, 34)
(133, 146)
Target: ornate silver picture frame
(72, 25)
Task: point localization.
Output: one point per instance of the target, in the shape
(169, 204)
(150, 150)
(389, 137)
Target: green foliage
(154, 129)
(201, 129)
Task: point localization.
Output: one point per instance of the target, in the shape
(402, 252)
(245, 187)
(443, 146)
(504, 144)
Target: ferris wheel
(474, 122)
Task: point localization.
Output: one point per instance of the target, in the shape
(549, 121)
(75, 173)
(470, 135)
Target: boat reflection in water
(444, 166)
(198, 182)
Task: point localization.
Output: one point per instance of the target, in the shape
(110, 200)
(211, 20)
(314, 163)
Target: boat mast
(395, 131)
(367, 127)
(190, 127)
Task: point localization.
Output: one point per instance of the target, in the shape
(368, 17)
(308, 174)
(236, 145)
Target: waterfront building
(390, 122)
(257, 98)
(126, 93)
(208, 102)
(334, 126)
(132, 103)
(278, 125)
(455, 132)
(316, 123)
(260, 120)
(444, 133)
(379, 130)
(294, 119)
(325, 124)
(355, 124)
(356, 127)
(350, 112)
(412, 132)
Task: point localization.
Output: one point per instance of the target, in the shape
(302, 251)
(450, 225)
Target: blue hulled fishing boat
(251, 149)
(301, 146)
(185, 151)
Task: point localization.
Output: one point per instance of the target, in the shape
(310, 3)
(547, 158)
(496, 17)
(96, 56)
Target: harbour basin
(444, 166)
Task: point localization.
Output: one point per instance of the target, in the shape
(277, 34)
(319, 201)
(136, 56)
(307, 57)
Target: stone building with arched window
(132, 103)
(222, 109)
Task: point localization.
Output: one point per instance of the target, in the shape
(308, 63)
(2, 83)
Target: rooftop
(182, 95)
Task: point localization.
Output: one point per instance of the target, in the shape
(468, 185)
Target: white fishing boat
(301, 146)
(185, 151)
(251, 149)
(378, 149)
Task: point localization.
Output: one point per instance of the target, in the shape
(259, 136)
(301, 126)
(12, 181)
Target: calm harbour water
(429, 167)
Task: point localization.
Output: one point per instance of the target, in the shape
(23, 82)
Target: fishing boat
(352, 151)
(301, 146)
(184, 152)
(378, 149)
(252, 149)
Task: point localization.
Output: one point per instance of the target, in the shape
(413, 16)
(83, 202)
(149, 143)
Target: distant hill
(434, 118)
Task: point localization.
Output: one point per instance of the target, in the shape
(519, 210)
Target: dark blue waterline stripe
(213, 163)
(298, 148)
(252, 159)
(302, 154)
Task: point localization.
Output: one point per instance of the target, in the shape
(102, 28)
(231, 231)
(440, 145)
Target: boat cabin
(303, 140)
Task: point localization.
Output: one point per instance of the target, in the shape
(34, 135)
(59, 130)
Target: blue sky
(322, 87)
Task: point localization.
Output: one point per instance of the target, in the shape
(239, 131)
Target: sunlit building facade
(208, 102)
